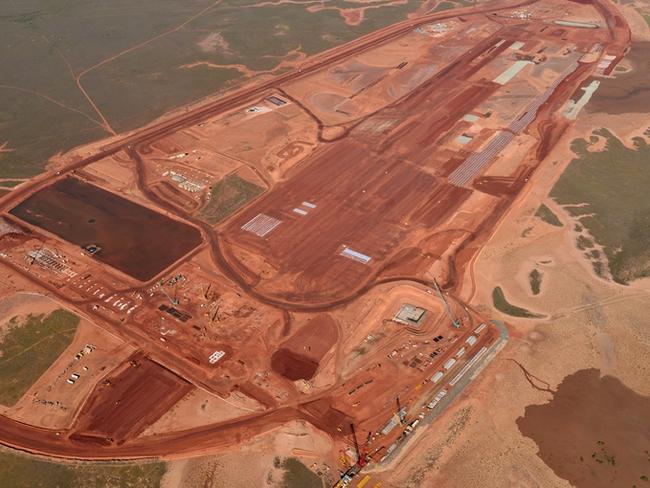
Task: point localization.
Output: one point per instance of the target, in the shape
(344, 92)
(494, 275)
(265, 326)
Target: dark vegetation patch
(627, 92)
(547, 215)
(599, 268)
(502, 305)
(593, 432)
(535, 279)
(297, 475)
(228, 196)
(29, 348)
(612, 186)
(20, 471)
(584, 243)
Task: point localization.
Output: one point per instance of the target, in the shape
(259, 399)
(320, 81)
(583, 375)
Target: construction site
(302, 247)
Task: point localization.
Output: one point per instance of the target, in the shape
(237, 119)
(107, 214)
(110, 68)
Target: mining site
(300, 248)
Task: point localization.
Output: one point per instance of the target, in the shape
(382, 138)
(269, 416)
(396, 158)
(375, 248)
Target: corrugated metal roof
(511, 72)
(357, 256)
(449, 363)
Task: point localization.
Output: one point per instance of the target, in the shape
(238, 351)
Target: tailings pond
(129, 237)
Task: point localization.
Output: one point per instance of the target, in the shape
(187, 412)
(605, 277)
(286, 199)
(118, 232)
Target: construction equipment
(215, 314)
(454, 321)
(361, 460)
(401, 412)
(174, 301)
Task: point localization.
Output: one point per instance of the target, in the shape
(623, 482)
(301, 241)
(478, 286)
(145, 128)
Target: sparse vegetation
(29, 347)
(599, 268)
(603, 457)
(584, 243)
(297, 475)
(607, 191)
(547, 215)
(10, 183)
(444, 6)
(535, 279)
(454, 429)
(19, 471)
(501, 304)
(227, 196)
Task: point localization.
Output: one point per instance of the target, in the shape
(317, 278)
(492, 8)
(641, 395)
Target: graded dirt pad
(362, 202)
(369, 194)
(292, 365)
(120, 407)
(131, 238)
(299, 356)
(594, 432)
(327, 418)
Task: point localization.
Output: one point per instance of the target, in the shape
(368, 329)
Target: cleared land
(130, 399)
(29, 347)
(300, 355)
(129, 237)
(607, 191)
(389, 162)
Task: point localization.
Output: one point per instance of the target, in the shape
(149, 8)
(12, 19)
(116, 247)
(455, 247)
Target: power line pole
(173, 301)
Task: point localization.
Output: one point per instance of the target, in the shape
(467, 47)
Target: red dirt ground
(299, 356)
(126, 402)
